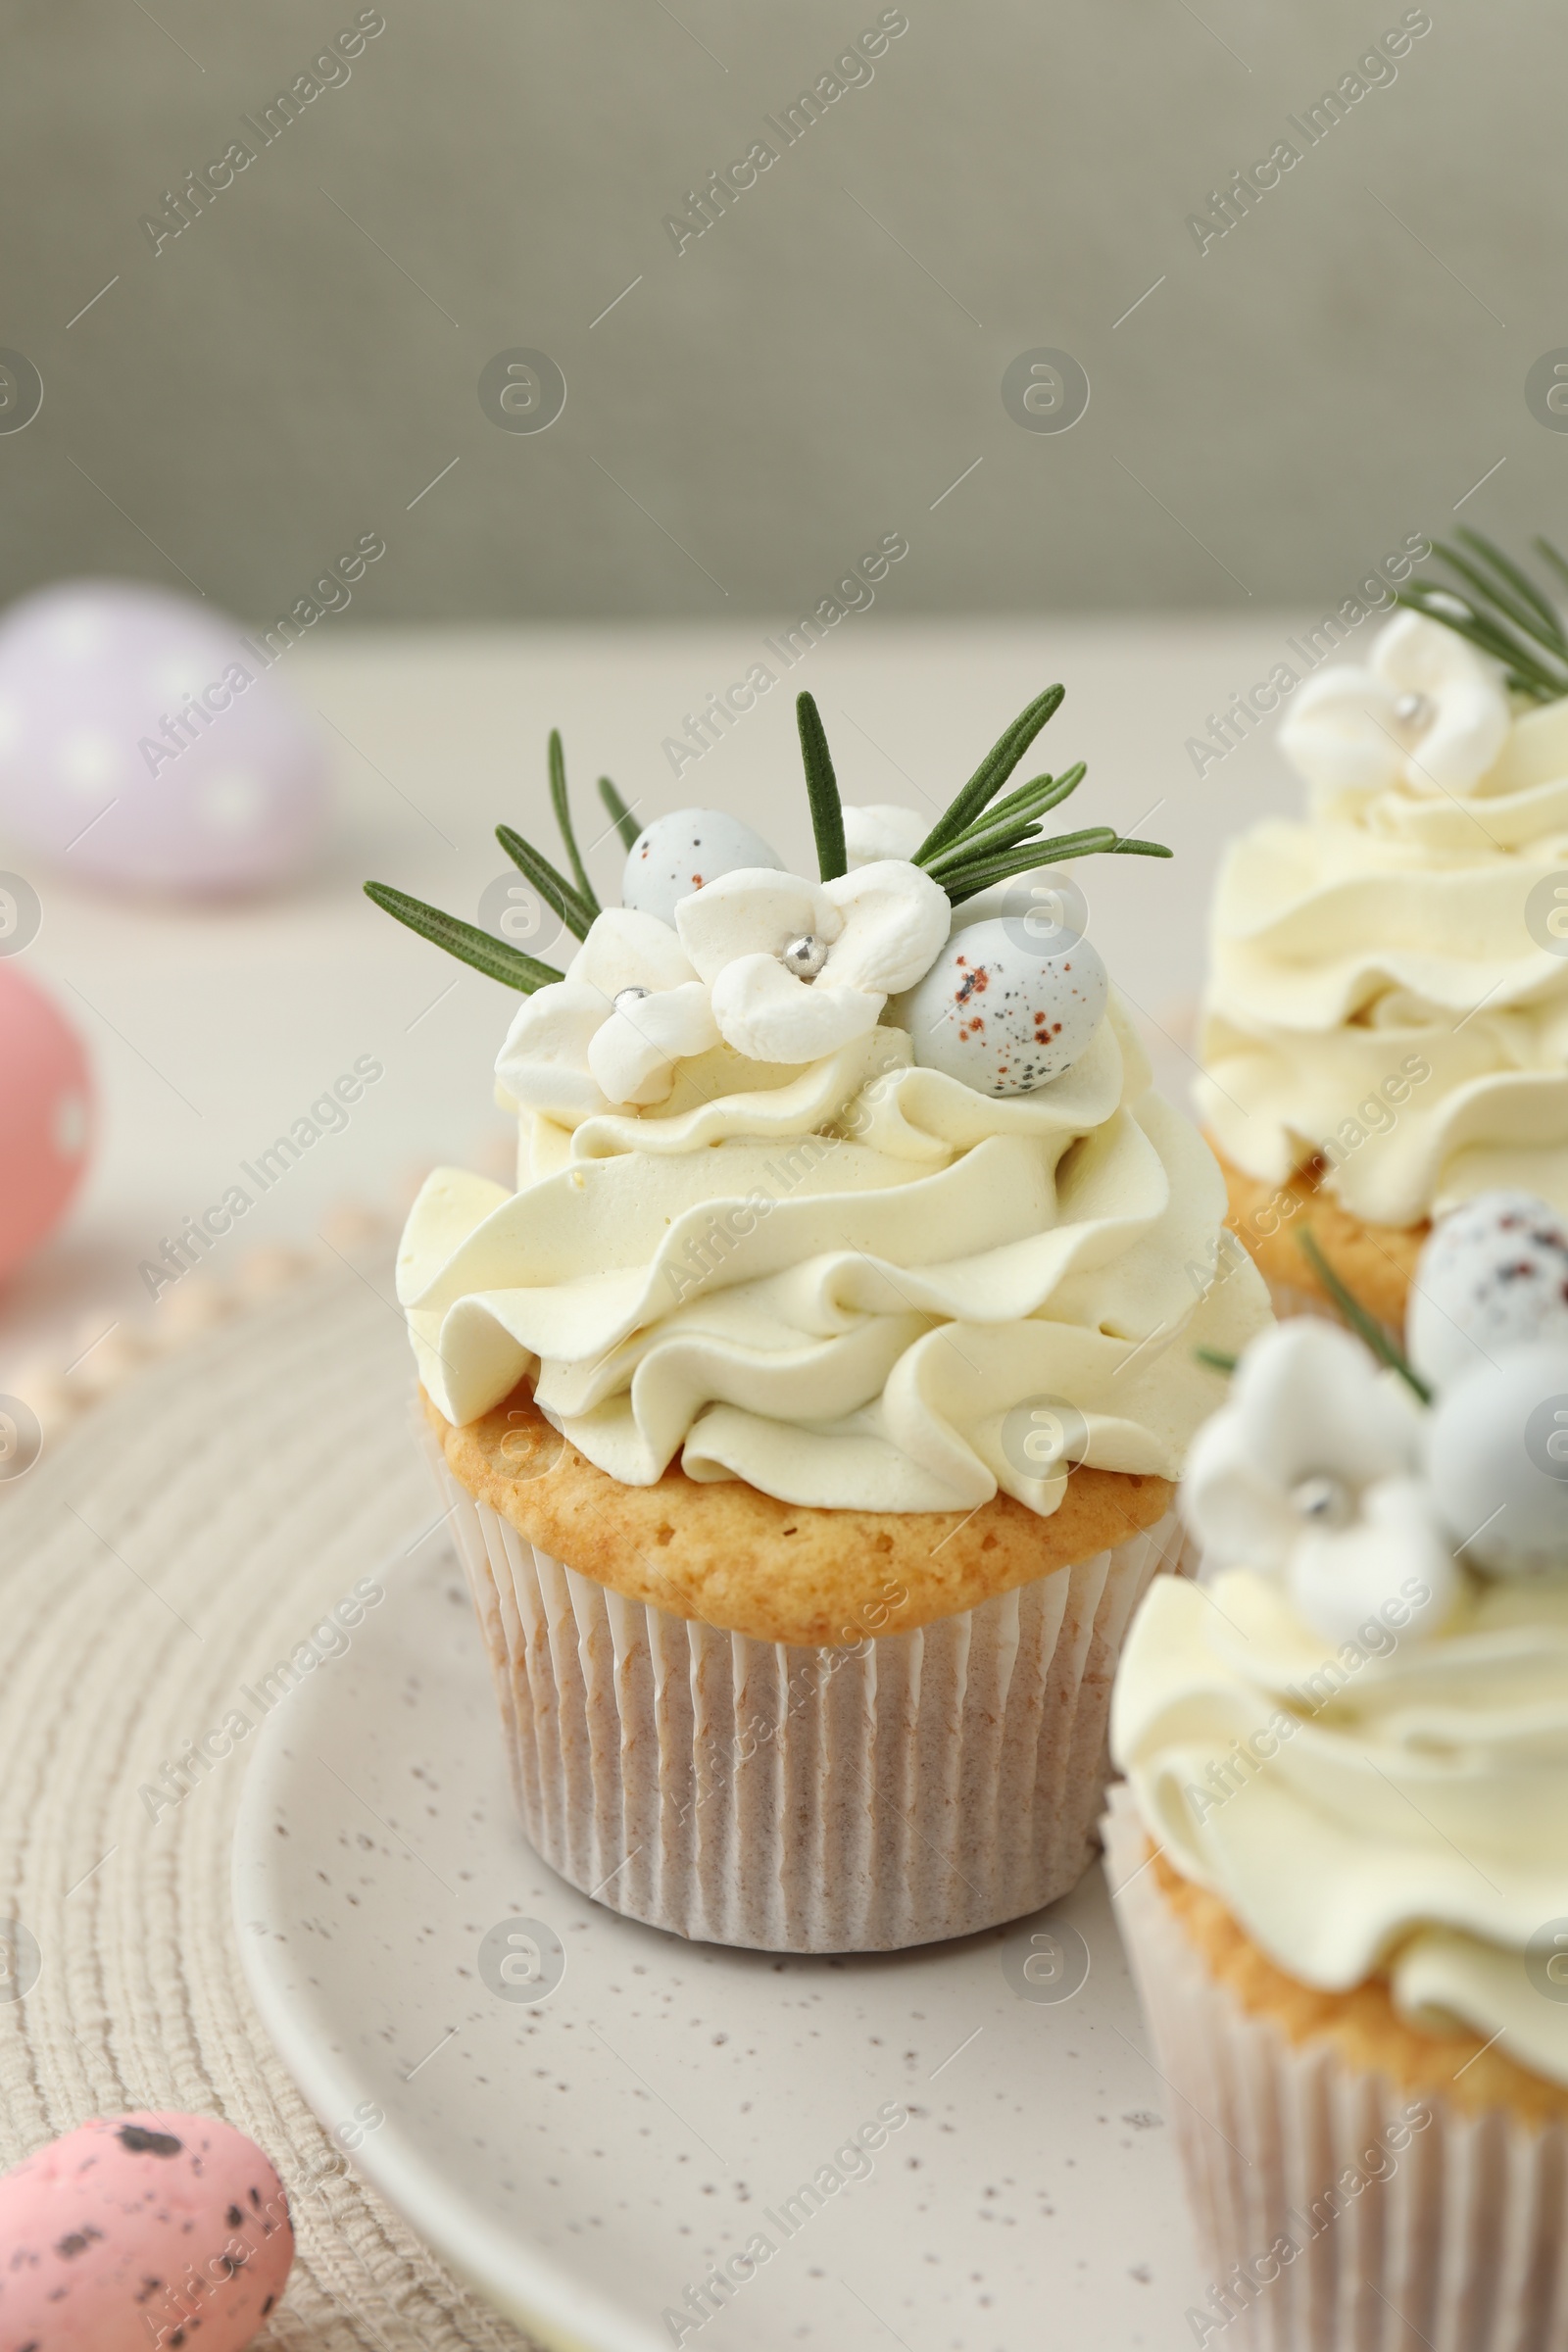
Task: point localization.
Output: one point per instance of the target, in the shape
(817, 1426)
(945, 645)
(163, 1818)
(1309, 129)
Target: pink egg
(45, 1116)
(140, 2232)
(146, 744)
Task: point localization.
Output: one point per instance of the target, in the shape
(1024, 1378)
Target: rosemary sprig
(1525, 674)
(1366, 1326)
(978, 840)
(621, 817)
(552, 887)
(1007, 825)
(1497, 590)
(1543, 621)
(562, 809)
(495, 958)
(969, 880)
(822, 791)
(1501, 611)
(1051, 790)
(1549, 553)
(1095, 839)
(993, 771)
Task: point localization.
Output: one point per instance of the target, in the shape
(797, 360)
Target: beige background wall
(818, 369)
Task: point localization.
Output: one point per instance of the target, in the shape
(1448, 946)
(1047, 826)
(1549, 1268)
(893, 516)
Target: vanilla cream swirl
(837, 1282)
(1397, 1804)
(1378, 993)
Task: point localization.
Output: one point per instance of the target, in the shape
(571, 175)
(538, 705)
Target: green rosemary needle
(561, 804)
(1500, 611)
(993, 771)
(822, 791)
(552, 887)
(1365, 1325)
(495, 958)
(625, 822)
(979, 839)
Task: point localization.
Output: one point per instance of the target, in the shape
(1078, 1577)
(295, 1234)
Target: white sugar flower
(1310, 1473)
(612, 1031)
(800, 968)
(1424, 712)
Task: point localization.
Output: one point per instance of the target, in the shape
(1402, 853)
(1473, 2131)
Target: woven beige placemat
(180, 1539)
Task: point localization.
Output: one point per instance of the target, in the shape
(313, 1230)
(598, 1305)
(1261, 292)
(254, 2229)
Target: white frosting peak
(839, 1281)
(1371, 1802)
(1382, 991)
(1360, 1747)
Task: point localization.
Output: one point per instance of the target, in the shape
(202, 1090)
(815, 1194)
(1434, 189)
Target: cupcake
(1385, 1020)
(809, 1412)
(1339, 1860)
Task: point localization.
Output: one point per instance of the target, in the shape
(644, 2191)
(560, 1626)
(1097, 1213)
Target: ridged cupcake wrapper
(793, 1799)
(1450, 2233)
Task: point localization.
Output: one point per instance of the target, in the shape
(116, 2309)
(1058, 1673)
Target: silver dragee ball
(1001, 1018)
(1493, 1274)
(676, 854)
(1497, 1460)
(805, 956)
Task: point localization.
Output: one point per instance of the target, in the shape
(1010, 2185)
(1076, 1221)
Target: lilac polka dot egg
(144, 747)
(1494, 1275)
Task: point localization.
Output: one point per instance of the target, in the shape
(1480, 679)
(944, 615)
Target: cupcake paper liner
(922, 1785)
(1336, 2211)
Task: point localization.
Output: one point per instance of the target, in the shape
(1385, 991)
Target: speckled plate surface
(585, 2116)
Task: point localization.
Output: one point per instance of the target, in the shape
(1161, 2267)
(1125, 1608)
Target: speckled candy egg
(144, 743)
(1497, 1460)
(139, 2230)
(676, 854)
(1494, 1273)
(1001, 1019)
(45, 1116)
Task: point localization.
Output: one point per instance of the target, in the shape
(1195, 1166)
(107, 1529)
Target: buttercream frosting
(837, 1281)
(1396, 1801)
(1389, 978)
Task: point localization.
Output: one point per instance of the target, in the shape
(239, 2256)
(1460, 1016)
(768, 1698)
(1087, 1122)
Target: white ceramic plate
(585, 2154)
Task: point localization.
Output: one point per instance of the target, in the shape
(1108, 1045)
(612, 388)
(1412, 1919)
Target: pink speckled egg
(145, 745)
(139, 2231)
(45, 1115)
